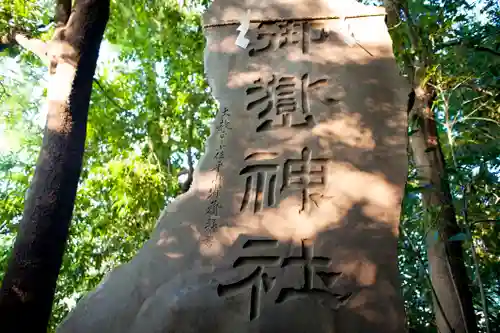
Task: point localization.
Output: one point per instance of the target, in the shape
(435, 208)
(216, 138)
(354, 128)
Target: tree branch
(485, 221)
(39, 48)
(427, 275)
(484, 303)
(189, 180)
(35, 46)
(63, 11)
(480, 90)
(19, 37)
(394, 8)
(485, 49)
(472, 44)
(4, 89)
(111, 99)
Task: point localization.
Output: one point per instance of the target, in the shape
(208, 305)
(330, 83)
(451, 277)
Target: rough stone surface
(291, 222)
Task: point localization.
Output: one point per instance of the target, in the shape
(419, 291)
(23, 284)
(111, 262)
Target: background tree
(30, 279)
(445, 95)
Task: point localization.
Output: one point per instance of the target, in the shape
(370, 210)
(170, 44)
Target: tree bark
(189, 180)
(453, 300)
(453, 305)
(29, 284)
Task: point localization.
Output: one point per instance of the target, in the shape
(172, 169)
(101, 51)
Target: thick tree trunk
(453, 299)
(28, 287)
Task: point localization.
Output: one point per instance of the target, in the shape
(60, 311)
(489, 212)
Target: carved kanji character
(310, 176)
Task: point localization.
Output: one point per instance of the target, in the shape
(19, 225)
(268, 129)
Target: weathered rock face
(291, 223)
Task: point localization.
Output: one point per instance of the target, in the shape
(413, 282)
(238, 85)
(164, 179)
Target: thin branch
(393, 9)
(472, 100)
(484, 303)
(35, 46)
(486, 49)
(413, 34)
(484, 119)
(449, 127)
(4, 89)
(475, 260)
(450, 44)
(480, 90)
(428, 278)
(190, 159)
(469, 116)
(471, 44)
(112, 100)
(153, 153)
(189, 180)
(63, 11)
(485, 221)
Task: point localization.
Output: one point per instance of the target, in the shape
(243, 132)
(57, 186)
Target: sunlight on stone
(346, 129)
(226, 45)
(174, 255)
(364, 272)
(239, 79)
(215, 249)
(205, 181)
(364, 185)
(165, 240)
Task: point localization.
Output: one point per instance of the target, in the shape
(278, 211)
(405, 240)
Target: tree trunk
(452, 300)
(30, 280)
(453, 305)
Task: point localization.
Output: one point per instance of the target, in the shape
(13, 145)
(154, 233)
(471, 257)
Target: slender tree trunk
(29, 284)
(453, 305)
(187, 185)
(453, 300)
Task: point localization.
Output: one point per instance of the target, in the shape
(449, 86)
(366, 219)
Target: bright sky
(10, 68)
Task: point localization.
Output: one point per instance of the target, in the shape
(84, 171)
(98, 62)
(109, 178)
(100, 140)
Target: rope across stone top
(323, 18)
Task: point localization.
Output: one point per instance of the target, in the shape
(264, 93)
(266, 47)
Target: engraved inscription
(309, 177)
(306, 174)
(276, 35)
(260, 282)
(284, 101)
(265, 188)
(264, 176)
(214, 205)
(310, 264)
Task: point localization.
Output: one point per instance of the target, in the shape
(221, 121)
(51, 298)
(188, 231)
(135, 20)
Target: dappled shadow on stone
(333, 178)
(194, 299)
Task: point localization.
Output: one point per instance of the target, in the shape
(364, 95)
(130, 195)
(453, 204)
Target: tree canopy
(149, 118)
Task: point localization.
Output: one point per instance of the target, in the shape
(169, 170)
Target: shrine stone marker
(291, 223)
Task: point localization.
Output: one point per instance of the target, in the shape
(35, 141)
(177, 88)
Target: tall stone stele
(291, 223)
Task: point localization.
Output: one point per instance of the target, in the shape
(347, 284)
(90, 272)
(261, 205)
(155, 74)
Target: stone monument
(291, 223)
